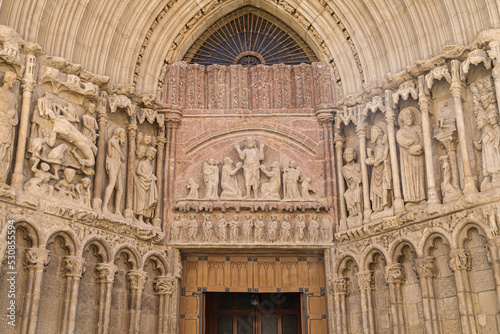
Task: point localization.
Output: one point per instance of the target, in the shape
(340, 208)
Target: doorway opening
(253, 313)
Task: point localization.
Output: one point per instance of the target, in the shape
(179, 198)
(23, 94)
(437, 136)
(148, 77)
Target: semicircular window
(249, 36)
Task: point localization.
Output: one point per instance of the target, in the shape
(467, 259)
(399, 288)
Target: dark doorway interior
(253, 313)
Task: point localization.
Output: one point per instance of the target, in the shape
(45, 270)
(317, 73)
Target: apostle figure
(285, 229)
(89, 123)
(489, 145)
(259, 229)
(292, 175)
(193, 189)
(272, 229)
(211, 178)
(229, 182)
(270, 190)
(300, 228)
(314, 229)
(176, 228)
(251, 156)
(192, 228)
(221, 228)
(114, 161)
(381, 180)
(8, 119)
(207, 228)
(145, 189)
(234, 229)
(352, 175)
(411, 141)
(247, 228)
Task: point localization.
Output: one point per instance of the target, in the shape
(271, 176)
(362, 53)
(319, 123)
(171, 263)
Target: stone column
(73, 267)
(424, 103)
(494, 54)
(390, 118)
(366, 284)
(129, 199)
(164, 287)
(493, 252)
(105, 277)
(460, 263)
(102, 119)
(361, 132)
(457, 87)
(427, 272)
(160, 139)
(395, 277)
(28, 84)
(325, 120)
(340, 290)
(35, 261)
(136, 279)
(339, 144)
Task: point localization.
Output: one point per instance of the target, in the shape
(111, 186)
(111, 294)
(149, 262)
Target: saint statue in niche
(89, 123)
(251, 156)
(114, 162)
(381, 180)
(229, 182)
(352, 175)
(411, 141)
(211, 178)
(292, 175)
(489, 144)
(8, 119)
(145, 189)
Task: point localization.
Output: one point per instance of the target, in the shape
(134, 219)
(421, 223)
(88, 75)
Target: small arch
(65, 240)
(28, 232)
(346, 266)
(368, 256)
(428, 237)
(398, 251)
(129, 256)
(160, 263)
(99, 247)
(460, 233)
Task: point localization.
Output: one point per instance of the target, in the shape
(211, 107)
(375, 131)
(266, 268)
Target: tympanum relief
(8, 120)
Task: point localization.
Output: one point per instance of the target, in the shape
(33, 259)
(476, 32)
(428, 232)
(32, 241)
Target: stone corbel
(406, 89)
(437, 73)
(121, 101)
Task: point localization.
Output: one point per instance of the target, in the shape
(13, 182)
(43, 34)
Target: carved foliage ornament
(137, 279)
(36, 258)
(105, 272)
(164, 285)
(395, 274)
(73, 266)
(366, 280)
(460, 259)
(426, 267)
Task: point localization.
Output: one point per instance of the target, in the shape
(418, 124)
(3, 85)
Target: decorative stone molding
(426, 267)
(36, 258)
(366, 280)
(73, 266)
(164, 285)
(340, 285)
(460, 259)
(137, 279)
(105, 272)
(395, 274)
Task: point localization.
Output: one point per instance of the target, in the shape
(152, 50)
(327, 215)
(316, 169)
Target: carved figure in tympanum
(65, 187)
(83, 191)
(192, 228)
(352, 175)
(234, 229)
(272, 229)
(314, 229)
(89, 123)
(411, 142)
(211, 179)
(39, 185)
(114, 161)
(221, 228)
(8, 120)
(247, 228)
(270, 190)
(300, 228)
(229, 181)
(176, 228)
(307, 189)
(207, 228)
(251, 156)
(193, 189)
(145, 188)
(259, 229)
(285, 229)
(381, 178)
(327, 229)
(292, 175)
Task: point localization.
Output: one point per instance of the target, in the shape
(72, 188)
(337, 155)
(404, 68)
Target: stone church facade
(249, 167)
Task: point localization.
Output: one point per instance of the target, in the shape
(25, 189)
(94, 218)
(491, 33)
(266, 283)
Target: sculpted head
(286, 218)
(260, 217)
(292, 164)
(493, 118)
(90, 107)
(192, 216)
(220, 216)
(407, 116)
(273, 217)
(300, 217)
(376, 133)
(151, 153)
(9, 78)
(86, 182)
(141, 152)
(247, 217)
(250, 142)
(349, 154)
(69, 174)
(481, 120)
(147, 139)
(44, 167)
(177, 216)
(275, 165)
(228, 161)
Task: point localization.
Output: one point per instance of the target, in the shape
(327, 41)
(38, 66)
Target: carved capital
(339, 285)
(390, 116)
(137, 279)
(73, 266)
(102, 118)
(361, 129)
(164, 285)
(105, 272)
(460, 259)
(494, 52)
(366, 281)
(395, 274)
(161, 141)
(36, 258)
(28, 85)
(132, 129)
(325, 118)
(426, 267)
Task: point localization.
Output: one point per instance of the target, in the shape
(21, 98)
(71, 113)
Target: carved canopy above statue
(249, 36)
